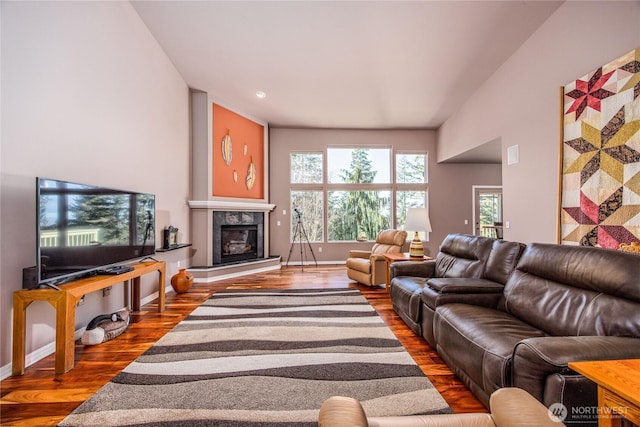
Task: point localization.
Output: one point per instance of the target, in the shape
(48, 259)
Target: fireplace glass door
(239, 243)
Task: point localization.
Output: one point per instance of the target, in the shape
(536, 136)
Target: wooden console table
(64, 302)
(618, 384)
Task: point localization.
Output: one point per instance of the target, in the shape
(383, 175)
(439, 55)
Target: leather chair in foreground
(510, 407)
(369, 267)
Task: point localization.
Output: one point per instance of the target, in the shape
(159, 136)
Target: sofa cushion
(480, 292)
(480, 341)
(463, 255)
(569, 290)
(502, 260)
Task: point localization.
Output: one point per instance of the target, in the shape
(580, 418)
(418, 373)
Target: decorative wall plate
(251, 174)
(227, 148)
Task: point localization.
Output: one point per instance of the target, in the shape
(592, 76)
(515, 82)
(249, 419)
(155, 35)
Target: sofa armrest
(355, 253)
(378, 269)
(377, 258)
(510, 407)
(338, 411)
(514, 407)
(536, 358)
(412, 268)
(463, 285)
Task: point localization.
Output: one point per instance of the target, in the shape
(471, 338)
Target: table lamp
(417, 220)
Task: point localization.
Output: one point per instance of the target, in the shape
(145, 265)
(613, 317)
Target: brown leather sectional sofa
(502, 314)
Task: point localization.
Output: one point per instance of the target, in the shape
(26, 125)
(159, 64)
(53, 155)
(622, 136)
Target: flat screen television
(82, 229)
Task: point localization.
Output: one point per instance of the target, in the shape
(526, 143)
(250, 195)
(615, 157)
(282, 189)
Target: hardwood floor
(41, 398)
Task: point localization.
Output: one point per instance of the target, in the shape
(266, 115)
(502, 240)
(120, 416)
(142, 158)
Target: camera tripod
(300, 233)
(147, 236)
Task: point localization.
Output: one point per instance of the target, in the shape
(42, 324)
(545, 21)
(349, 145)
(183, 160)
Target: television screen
(83, 228)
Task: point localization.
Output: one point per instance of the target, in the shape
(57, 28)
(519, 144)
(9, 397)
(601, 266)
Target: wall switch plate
(278, 223)
(284, 211)
(507, 224)
(466, 222)
(320, 249)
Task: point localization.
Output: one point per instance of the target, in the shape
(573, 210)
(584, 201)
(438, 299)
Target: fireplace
(238, 243)
(207, 219)
(237, 236)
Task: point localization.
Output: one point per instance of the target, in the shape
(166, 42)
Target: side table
(390, 258)
(618, 384)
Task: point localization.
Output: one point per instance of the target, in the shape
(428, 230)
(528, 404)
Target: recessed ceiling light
(260, 94)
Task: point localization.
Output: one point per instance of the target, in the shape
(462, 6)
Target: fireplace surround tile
(235, 220)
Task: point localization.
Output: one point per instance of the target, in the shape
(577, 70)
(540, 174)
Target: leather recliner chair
(369, 267)
(510, 407)
(460, 255)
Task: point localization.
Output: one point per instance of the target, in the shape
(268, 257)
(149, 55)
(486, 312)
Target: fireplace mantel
(220, 205)
(202, 213)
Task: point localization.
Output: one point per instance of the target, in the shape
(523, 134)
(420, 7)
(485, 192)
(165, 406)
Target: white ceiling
(342, 64)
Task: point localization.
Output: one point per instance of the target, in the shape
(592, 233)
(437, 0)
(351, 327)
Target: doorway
(487, 211)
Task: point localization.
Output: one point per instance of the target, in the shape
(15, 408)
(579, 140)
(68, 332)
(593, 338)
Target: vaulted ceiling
(342, 64)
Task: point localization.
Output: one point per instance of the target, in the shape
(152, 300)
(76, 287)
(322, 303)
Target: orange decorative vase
(181, 281)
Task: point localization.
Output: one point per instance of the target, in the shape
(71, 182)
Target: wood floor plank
(42, 398)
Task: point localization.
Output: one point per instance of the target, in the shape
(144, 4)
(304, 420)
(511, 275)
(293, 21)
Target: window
(307, 216)
(406, 200)
(359, 165)
(411, 168)
(307, 197)
(411, 190)
(358, 215)
(306, 168)
(360, 196)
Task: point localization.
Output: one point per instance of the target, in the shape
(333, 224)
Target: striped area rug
(265, 358)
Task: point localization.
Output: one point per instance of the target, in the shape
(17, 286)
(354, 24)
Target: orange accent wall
(242, 132)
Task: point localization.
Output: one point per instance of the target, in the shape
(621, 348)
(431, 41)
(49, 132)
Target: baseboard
(49, 349)
(214, 274)
(313, 264)
(207, 277)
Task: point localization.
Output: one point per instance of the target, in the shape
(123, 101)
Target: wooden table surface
(618, 386)
(403, 256)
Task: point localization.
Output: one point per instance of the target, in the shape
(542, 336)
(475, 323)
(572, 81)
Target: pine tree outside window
(411, 186)
(362, 191)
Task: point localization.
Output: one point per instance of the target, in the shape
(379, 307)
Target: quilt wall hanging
(600, 179)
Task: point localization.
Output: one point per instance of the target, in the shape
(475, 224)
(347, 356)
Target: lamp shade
(417, 220)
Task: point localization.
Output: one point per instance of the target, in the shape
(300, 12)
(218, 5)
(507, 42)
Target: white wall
(520, 103)
(87, 96)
